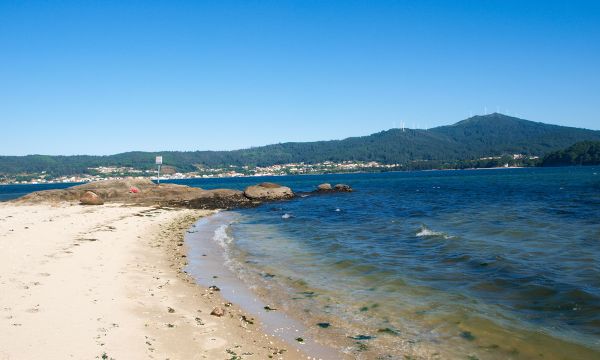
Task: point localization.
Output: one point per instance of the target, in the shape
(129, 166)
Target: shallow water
(487, 264)
(211, 263)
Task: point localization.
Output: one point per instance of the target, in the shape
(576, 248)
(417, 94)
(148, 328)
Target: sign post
(158, 163)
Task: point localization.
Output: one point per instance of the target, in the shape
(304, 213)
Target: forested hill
(581, 153)
(473, 138)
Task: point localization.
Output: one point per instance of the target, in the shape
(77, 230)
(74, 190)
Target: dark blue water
(487, 264)
(9, 192)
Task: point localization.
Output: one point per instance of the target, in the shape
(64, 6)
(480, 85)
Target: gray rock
(324, 187)
(268, 191)
(218, 199)
(90, 198)
(218, 311)
(343, 188)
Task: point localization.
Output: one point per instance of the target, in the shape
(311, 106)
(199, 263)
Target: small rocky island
(145, 192)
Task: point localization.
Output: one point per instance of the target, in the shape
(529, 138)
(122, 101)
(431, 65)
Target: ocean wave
(425, 232)
(221, 236)
(286, 216)
(225, 240)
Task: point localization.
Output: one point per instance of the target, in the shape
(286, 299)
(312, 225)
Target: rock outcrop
(148, 193)
(118, 191)
(342, 188)
(90, 198)
(268, 191)
(216, 199)
(324, 187)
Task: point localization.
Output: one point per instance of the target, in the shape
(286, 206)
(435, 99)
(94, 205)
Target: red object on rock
(134, 190)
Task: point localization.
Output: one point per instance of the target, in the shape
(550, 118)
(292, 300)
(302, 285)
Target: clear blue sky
(100, 77)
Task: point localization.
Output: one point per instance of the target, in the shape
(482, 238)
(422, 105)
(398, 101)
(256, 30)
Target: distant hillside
(473, 138)
(581, 153)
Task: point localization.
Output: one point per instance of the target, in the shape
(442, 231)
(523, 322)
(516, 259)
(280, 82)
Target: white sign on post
(159, 163)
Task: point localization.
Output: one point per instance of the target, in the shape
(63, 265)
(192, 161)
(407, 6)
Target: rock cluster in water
(326, 187)
(268, 191)
(148, 193)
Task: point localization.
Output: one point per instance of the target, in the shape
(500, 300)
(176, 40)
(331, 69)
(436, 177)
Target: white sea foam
(221, 236)
(337, 209)
(286, 216)
(424, 231)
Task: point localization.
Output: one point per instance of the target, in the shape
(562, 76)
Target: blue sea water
(489, 263)
(450, 264)
(13, 191)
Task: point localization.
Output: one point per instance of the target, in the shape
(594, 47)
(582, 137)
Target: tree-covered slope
(473, 138)
(581, 153)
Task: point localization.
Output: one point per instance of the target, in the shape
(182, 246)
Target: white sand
(86, 282)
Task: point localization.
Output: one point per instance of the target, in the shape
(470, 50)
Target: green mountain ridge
(470, 139)
(581, 153)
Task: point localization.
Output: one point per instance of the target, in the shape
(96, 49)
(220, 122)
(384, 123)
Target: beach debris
(362, 347)
(218, 311)
(170, 310)
(389, 331)
(300, 340)
(234, 355)
(245, 319)
(199, 321)
(467, 335)
(105, 356)
(323, 325)
(214, 288)
(91, 198)
(228, 304)
(361, 337)
(134, 190)
(308, 294)
(268, 308)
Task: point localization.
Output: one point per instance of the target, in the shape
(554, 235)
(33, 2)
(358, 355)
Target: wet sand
(208, 265)
(106, 282)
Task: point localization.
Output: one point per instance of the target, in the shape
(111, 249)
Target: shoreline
(209, 265)
(106, 282)
(169, 180)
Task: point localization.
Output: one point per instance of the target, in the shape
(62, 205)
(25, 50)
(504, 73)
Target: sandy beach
(105, 282)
